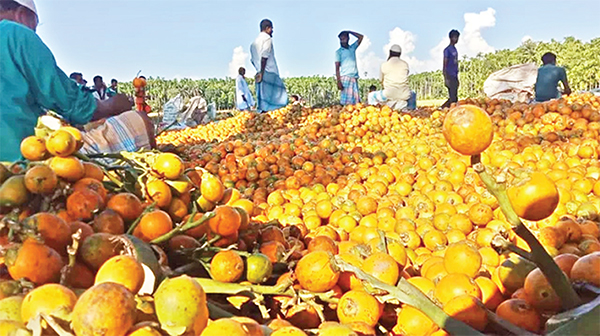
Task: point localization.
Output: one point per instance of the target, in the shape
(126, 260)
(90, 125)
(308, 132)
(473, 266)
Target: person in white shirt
(100, 89)
(270, 89)
(394, 78)
(243, 96)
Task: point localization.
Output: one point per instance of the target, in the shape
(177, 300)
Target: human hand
(258, 77)
(340, 85)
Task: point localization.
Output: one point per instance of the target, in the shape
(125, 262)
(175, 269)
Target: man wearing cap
(394, 78)
(31, 82)
(346, 71)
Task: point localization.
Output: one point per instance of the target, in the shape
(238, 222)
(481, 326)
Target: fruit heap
(336, 221)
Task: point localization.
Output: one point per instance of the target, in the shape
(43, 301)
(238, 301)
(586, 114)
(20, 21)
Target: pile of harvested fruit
(481, 219)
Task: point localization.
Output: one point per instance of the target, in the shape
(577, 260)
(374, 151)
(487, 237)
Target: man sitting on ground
(546, 85)
(30, 82)
(394, 78)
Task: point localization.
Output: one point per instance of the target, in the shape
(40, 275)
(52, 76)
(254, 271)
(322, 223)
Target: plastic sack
(515, 83)
(171, 109)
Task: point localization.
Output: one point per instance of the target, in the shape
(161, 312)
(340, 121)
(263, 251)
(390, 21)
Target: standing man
(450, 68)
(270, 90)
(394, 78)
(113, 89)
(243, 96)
(548, 76)
(346, 71)
(99, 88)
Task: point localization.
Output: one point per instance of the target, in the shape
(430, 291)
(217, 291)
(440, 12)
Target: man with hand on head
(346, 70)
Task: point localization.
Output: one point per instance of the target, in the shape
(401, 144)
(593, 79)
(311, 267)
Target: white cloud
(367, 61)
(239, 59)
(526, 38)
(471, 43)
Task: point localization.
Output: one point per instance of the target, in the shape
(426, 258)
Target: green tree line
(580, 59)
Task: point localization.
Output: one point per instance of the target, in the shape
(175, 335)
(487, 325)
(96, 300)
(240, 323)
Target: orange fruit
(52, 299)
(153, 225)
(383, 267)
(127, 205)
(359, 306)
(69, 168)
(109, 221)
(520, 313)
(226, 221)
(539, 292)
(468, 129)
(491, 296)
(93, 170)
(469, 310)
(463, 258)
(123, 270)
(227, 266)
(40, 180)
(61, 143)
(316, 272)
(534, 197)
(159, 192)
(411, 321)
(83, 204)
(169, 166)
(587, 269)
(34, 148)
(456, 284)
(211, 188)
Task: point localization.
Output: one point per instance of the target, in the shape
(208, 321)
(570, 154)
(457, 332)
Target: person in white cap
(31, 82)
(394, 78)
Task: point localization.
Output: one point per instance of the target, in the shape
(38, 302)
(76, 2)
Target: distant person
(346, 71)
(548, 76)
(371, 96)
(394, 77)
(99, 90)
(77, 77)
(450, 68)
(243, 96)
(270, 89)
(113, 89)
(31, 81)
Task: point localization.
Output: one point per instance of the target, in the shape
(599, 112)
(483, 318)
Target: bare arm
(358, 36)
(337, 75)
(444, 67)
(263, 65)
(565, 82)
(111, 107)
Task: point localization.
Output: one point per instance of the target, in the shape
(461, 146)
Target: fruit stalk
(557, 279)
(182, 228)
(72, 251)
(408, 294)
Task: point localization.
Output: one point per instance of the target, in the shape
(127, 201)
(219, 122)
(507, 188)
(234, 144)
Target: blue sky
(197, 39)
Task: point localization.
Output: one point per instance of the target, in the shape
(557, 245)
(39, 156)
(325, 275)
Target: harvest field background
(580, 59)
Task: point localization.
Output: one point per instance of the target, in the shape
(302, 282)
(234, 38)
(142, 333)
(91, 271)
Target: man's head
(453, 35)
(114, 82)
(98, 81)
(77, 77)
(21, 11)
(242, 71)
(549, 58)
(395, 51)
(372, 88)
(266, 26)
(344, 39)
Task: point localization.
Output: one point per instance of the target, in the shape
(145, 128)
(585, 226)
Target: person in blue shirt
(548, 76)
(450, 68)
(346, 71)
(31, 82)
(113, 89)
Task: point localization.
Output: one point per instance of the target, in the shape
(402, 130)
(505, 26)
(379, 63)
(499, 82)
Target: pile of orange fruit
(283, 197)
